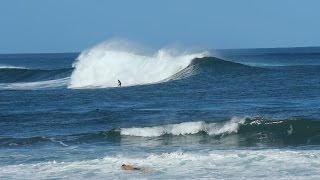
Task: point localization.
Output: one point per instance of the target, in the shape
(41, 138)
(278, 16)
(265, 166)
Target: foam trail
(35, 85)
(3, 66)
(104, 64)
(185, 128)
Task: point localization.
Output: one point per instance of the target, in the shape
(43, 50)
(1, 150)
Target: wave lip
(104, 64)
(186, 128)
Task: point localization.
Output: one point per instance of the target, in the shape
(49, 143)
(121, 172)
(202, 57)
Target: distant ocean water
(224, 114)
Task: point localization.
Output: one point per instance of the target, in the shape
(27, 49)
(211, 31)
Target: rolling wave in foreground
(104, 64)
(186, 128)
(243, 131)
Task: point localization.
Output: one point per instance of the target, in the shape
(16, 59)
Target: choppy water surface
(225, 114)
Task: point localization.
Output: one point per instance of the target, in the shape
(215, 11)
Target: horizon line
(74, 52)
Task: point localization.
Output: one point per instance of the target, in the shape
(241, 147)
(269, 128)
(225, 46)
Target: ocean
(218, 114)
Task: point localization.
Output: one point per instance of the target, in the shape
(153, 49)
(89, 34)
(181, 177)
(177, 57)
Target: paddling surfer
(128, 167)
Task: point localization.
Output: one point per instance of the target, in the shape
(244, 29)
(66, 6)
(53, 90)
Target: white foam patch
(3, 66)
(104, 64)
(35, 85)
(185, 128)
(216, 164)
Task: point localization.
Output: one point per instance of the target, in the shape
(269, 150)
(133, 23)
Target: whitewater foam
(216, 164)
(104, 64)
(185, 128)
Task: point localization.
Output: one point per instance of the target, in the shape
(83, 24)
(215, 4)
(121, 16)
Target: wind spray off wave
(104, 64)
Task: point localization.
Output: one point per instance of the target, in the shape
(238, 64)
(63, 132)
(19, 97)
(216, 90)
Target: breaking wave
(104, 64)
(16, 78)
(185, 128)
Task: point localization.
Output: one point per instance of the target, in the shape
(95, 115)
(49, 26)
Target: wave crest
(185, 128)
(236, 131)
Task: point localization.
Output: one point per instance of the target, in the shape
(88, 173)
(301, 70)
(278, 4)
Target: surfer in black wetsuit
(119, 83)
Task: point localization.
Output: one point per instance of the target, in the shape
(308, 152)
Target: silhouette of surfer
(119, 83)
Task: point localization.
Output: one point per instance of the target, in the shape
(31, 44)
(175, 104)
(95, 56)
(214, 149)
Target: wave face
(211, 66)
(104, 64)
(14, 74)
(14, 78)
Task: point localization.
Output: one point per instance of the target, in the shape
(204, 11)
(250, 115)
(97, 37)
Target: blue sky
(73, 25)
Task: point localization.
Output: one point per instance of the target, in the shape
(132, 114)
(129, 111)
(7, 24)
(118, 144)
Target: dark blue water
(259, 104)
